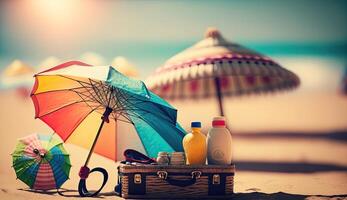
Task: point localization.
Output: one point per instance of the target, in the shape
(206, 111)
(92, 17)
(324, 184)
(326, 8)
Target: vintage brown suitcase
(180, 181)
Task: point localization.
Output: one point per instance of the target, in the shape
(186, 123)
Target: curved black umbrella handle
(82, 188)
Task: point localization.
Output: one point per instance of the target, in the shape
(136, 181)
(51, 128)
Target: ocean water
(326, 59)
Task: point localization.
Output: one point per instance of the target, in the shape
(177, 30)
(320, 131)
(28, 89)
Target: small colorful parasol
(217, 67)
(41, 162)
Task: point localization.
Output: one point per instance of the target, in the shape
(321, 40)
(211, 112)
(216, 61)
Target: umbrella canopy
(217, 67)
(74, 98)
(41, 162)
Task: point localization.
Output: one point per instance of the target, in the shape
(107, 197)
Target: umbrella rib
(132, 105)
(126, 116)
(87, 93)
(125, 105)
(137, 99)
(97, 90)
(127, 100)
(91, 94)
(80, 95)
(146, 111)
(81, 83)
(103, 86)
(121, 103)
(114, 104)
(87, 98)
(117, 102)
(116, 95)
(67, 77)
(120, 107)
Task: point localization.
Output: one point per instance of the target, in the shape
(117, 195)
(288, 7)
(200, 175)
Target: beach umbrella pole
(94, 142)
(219, 95)
(85, 171)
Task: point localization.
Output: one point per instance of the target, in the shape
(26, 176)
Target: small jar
(177, 158)
(163, 158)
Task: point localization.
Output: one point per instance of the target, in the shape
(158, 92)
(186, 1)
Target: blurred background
(296, 132)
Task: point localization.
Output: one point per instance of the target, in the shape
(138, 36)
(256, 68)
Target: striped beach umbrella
(41, 162)
(217, 67)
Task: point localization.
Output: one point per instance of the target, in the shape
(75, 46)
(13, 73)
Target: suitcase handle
(181, 183)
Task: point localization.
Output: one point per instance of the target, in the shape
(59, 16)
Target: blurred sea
(148, 55)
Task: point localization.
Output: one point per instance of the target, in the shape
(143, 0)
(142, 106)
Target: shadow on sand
(68, 193)
(287, 167)
(281, 196)
(237, 196)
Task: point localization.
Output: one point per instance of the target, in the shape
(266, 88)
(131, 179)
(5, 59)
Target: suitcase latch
(162, 174)
(137, 179)
(196, 174)
(216, 179)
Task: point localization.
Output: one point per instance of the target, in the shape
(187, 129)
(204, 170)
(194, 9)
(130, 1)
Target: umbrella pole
(219, 95)
(84, 171)
(94, 142)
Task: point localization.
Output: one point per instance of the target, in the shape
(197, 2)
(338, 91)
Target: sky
(149, 32)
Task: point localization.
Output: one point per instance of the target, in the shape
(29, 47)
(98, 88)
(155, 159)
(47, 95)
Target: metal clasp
(137, 179)
(215, 179)
(196, 174)
(162, 174)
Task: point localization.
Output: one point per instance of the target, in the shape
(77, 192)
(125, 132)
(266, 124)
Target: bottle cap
(218, 121)
(196, 125)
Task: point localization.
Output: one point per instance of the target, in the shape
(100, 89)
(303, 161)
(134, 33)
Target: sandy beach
(276, 70)
(268, 167)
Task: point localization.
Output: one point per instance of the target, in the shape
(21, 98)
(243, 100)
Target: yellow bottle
(194, 145)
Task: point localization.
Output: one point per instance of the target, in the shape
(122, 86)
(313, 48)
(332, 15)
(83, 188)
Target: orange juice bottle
(194, 145)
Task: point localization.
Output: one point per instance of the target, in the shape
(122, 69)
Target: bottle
(219, 150)
(194, 145)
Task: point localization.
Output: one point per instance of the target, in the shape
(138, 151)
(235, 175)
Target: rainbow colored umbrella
(217, 67)
(83, 104)
(41, 162)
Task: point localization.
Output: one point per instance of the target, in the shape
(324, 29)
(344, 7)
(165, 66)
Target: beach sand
(267, 168)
